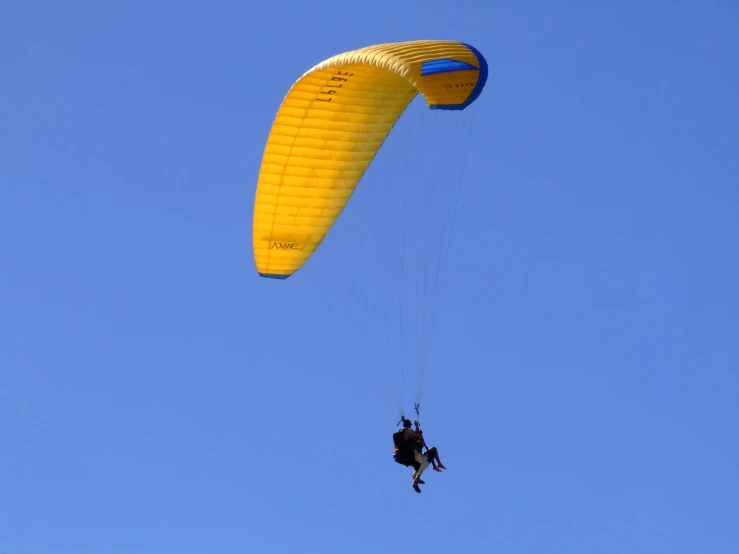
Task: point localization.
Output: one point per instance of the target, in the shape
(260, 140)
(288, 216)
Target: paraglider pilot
(406, 454)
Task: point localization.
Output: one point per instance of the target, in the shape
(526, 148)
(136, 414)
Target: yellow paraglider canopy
(329, 128)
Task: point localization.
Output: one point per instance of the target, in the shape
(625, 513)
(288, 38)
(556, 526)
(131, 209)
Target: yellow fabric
(327, 131)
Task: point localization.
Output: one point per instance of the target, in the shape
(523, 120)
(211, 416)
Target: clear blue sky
(158, 397)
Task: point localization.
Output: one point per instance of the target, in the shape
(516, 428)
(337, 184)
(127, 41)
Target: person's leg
(436, 456)
(416, 468)
(432, 455)
(424, 463)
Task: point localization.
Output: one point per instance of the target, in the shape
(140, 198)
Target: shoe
(416, 487)
(420, 482)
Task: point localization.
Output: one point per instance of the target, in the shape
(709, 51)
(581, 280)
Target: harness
(405, 449)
